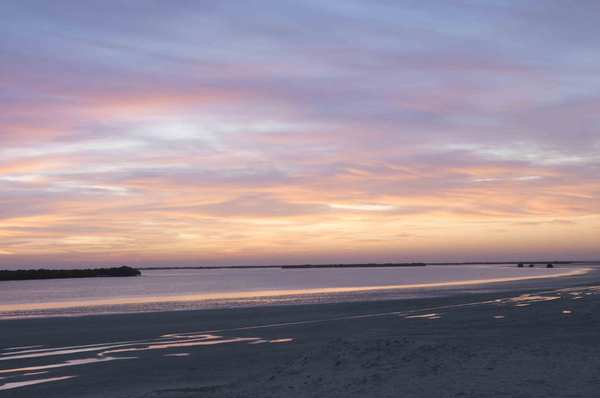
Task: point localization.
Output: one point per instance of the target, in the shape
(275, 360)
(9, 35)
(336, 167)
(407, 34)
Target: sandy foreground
(539, 340)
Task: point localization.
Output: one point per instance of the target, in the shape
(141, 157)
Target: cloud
(361, 206)
(140, 131)
(258, 206)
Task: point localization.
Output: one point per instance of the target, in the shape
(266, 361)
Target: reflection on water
(525, 300)
(530, 298)
(425, 316)
(35, 373)
(59, 351)
(181, 344)
(10, 386)
(73, 362)
(276, 341)
(108, 352)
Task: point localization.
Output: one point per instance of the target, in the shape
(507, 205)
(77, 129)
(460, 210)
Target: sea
(188, 289)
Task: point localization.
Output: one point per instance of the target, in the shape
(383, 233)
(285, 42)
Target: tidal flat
(536, 339)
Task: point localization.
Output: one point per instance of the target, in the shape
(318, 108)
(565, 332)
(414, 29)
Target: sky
(171, 132)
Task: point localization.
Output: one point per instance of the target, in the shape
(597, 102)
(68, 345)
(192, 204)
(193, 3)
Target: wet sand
(541, 339)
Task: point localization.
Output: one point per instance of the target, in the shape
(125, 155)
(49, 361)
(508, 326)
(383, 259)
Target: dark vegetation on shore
(21, 275)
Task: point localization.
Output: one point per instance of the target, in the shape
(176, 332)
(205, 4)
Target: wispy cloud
(233, 132)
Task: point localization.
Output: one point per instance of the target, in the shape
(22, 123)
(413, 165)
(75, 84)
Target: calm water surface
(162, 290)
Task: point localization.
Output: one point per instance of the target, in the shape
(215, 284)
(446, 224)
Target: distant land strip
(366, 265)
(371, 265)
(21, 275)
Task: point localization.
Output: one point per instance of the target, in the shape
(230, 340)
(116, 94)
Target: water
(164, 290)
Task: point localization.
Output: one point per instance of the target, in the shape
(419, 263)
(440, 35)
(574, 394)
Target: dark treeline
(26, 274)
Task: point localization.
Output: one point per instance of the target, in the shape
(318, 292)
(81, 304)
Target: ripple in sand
(72, 362)
(528, 298)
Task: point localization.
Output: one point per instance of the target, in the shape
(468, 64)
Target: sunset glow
(297, 132)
